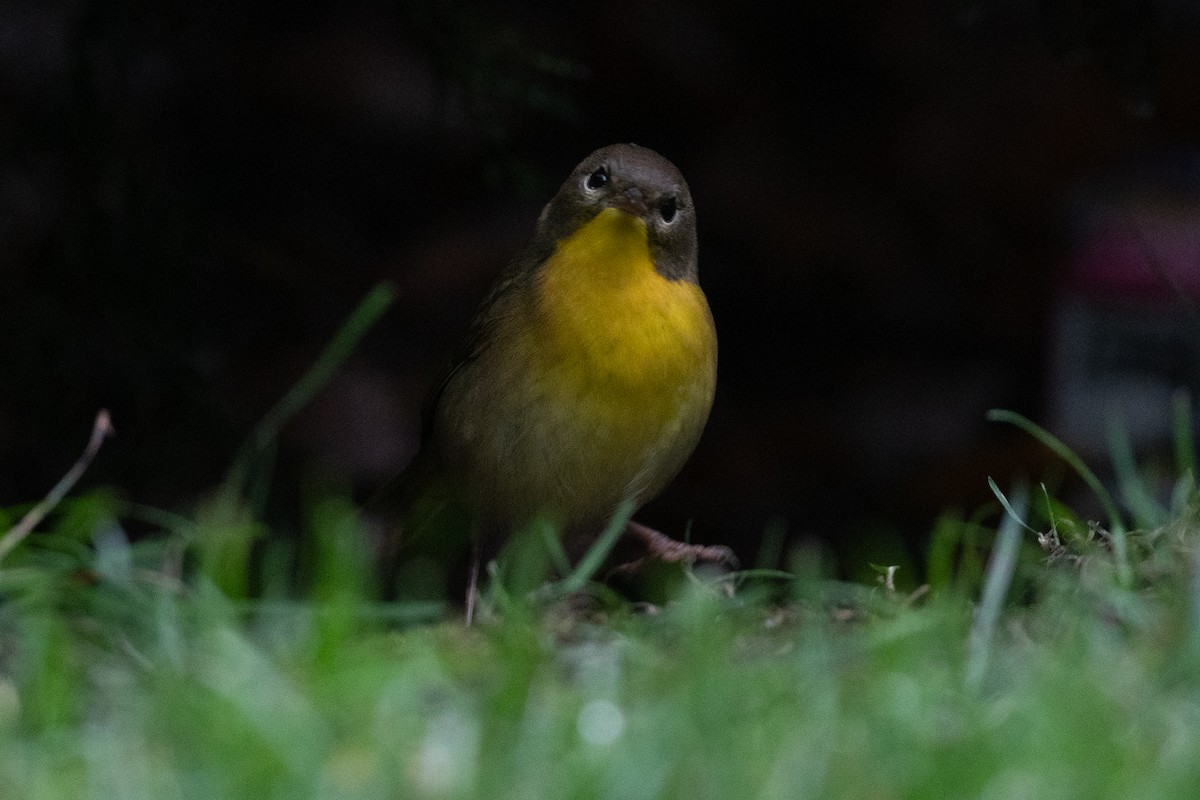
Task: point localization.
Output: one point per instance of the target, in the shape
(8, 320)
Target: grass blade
(261, 440)
(1007, 507)
(1147, 512)
(599, 551)
(552, 538)
(1115, 523)
(101, 430)
(997, 580)
(1113, 513)
(1185, 452)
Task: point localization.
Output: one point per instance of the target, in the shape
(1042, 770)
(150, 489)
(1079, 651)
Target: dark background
(194, 196)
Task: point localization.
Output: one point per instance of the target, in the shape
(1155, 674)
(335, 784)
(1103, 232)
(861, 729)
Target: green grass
(117, 681)
(1048, 657)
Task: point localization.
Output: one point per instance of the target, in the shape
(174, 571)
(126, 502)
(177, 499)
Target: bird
(585, 378)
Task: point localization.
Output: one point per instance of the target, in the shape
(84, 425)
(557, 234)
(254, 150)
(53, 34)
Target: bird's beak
(632, 201)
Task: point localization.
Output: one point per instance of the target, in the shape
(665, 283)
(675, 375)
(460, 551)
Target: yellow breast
(616, 328)
(595, 390)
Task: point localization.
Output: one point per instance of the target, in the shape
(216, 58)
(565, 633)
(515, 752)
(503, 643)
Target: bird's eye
(667, 210)
(597, 179)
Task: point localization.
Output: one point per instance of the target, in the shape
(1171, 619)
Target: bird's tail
(424, 531)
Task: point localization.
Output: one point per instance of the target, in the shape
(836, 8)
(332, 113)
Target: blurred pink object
(1123, 336)
(1138, 254)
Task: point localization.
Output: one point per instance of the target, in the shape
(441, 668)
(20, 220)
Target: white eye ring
(668, 210)
(596, 180)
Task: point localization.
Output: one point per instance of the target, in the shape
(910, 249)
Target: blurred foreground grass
(118, 680)
(1048, 658)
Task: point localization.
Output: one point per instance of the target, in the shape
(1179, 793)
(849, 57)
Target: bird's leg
(664, 548)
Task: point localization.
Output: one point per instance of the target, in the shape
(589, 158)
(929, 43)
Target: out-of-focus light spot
(600, 722)
(445, 763)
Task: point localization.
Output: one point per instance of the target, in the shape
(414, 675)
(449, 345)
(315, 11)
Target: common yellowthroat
(587, 375)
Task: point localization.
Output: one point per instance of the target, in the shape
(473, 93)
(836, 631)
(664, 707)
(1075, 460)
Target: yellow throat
(613, 324)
